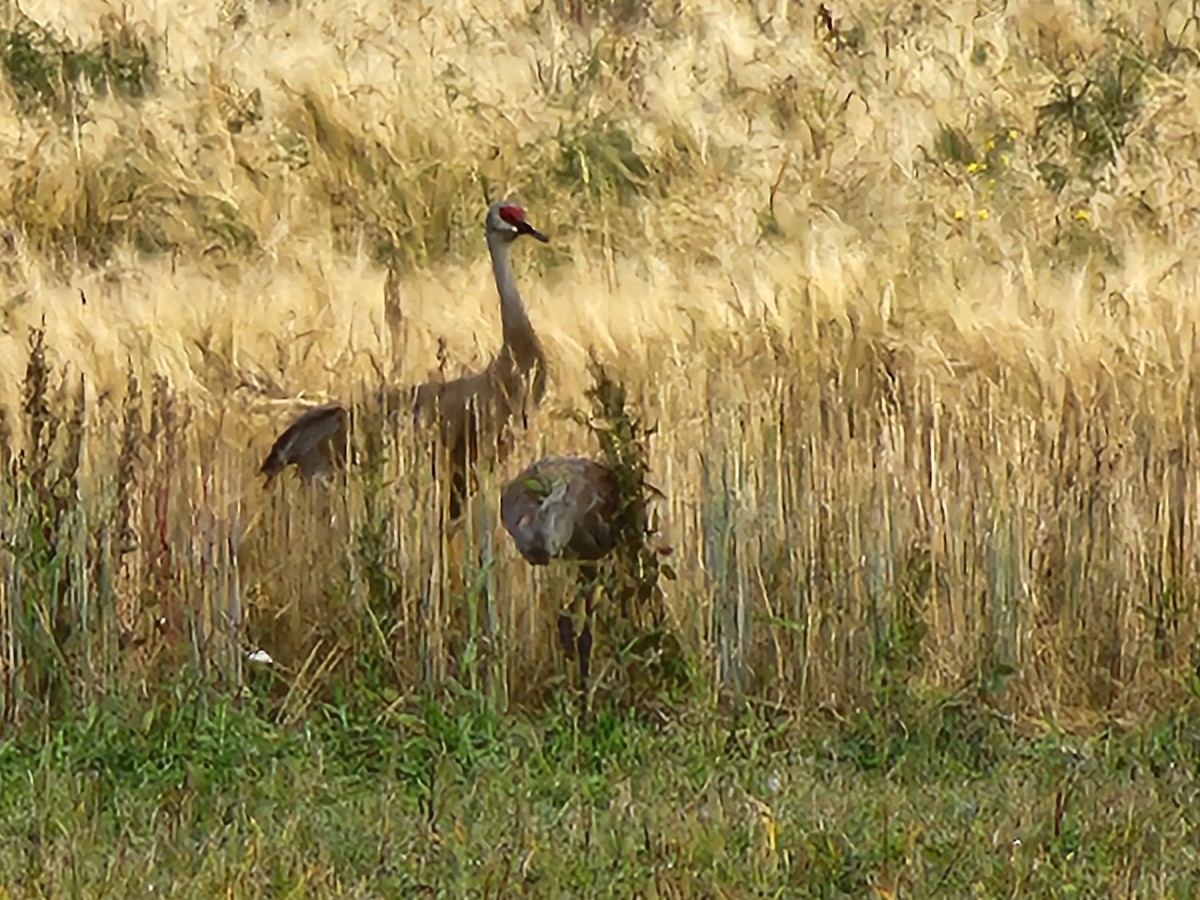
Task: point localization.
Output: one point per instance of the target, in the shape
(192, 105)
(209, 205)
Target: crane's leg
(458, 493)
(571, 639)
(583, 646)
(583, 643)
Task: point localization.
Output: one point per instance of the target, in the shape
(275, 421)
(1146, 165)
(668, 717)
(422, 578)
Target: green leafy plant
(46, 72)
(650, 652)
(599, 159)
(1084, 124)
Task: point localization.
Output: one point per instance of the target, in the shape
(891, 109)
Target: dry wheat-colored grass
(922, 416)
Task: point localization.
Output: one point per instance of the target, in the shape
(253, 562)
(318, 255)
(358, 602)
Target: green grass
(929, 797)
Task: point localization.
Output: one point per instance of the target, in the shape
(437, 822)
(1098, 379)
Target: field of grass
(907, 294)
(202, 799)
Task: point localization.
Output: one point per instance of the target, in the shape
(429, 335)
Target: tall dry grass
(909, 291)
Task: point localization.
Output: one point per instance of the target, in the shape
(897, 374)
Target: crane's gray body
(562, 507)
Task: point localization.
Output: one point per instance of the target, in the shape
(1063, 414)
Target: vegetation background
(908, 290)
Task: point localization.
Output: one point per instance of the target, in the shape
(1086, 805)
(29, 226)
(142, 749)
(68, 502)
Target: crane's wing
(562, 507)
(309, 443)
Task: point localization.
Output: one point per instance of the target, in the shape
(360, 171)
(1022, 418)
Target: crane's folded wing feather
(307, 442)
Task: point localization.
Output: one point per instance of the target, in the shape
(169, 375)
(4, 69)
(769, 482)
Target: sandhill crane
(569, 508)
(562, 507)
(470, 412)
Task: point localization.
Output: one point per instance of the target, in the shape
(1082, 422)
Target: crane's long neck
(519, 336)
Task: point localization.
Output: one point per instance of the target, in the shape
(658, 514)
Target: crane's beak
(526, 228)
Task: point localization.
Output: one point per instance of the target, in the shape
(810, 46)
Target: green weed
(1087, 122)
(46, 73)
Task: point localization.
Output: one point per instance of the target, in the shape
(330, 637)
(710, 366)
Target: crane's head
(506, 220)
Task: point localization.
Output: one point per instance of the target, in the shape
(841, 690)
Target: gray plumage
(562, 507)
